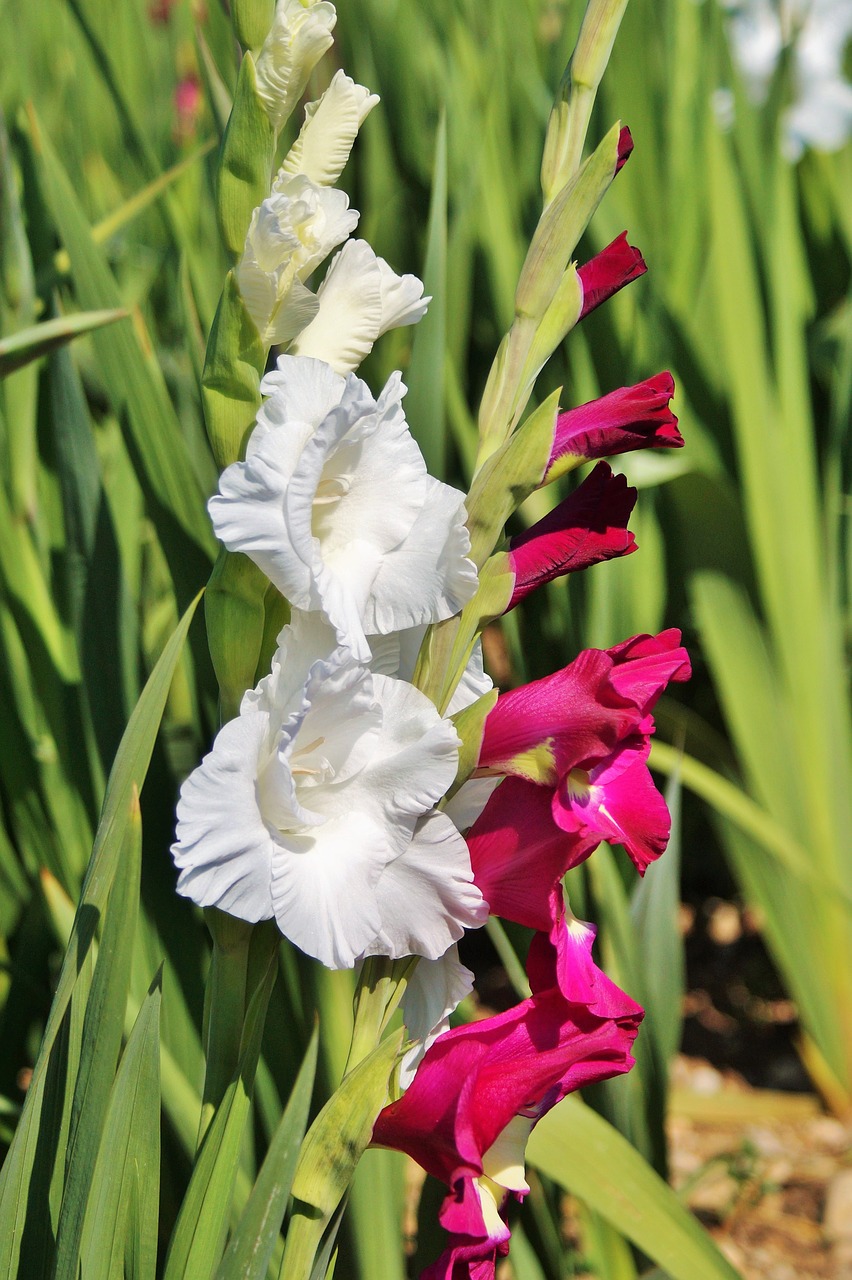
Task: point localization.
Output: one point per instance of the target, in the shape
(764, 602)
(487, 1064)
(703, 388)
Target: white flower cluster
(818, 31)
(318, 804)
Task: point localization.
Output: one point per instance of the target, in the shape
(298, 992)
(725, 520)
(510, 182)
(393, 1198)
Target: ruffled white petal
(291, 232)
(299, 36)
(469, 801)
(359, 300)
(427, 897)
(311, 506)
(427, 577)
(349, 314)
(434, 991)
(324, 888)
(331, 126)
(223, 848)
(402, 299)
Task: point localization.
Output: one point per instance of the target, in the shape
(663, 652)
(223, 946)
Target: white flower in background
(299, 36)
(331, 125)
(334, 504)
(316, 806)
(820, 115)
(291, 233)
(360, 298)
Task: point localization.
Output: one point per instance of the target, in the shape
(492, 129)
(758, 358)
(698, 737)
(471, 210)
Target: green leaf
(252, 20)
(120, 1230)
(102, 1034)
(331, 1152)
(30, 344)
(128, 771)
(230, 384)
(24, 580)
(202, 1223)
(577, 1148)
(245, 163)
(134, 384)
(654, 910)
(424, 404)
(251, 1246)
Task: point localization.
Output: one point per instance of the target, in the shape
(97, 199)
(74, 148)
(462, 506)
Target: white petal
(427, 897)
(349, 316)
(331, 126)
(301, 393)
(248, 515)
(469, 801)
(299, 36)
(435, 990)
(223, 847)
(324, 888)
(402, 299)
(416, 755)
(428, 577)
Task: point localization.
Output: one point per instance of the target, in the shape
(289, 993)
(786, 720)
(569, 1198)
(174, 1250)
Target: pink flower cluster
(568, 754)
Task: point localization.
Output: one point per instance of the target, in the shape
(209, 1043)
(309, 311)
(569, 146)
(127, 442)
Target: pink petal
(612, 268)
(518, 853)
(645, 664)
(636, 417)
(622, 806)
(590, 525)
(576, 712)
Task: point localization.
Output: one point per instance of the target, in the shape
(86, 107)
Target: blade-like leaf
(129, 769)
(102, 1033)
(30, 344)
(253, 1241)
(120, 1231)
(577, 1148)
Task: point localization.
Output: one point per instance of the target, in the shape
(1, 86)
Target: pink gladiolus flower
(481, 1088)
(636, 417)
(575, 746)
(612, 268)
(590, 525)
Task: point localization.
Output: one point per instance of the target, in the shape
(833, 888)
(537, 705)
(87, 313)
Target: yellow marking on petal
(578, 784)
(503, 1162)
(537, 765)
(490, 1205)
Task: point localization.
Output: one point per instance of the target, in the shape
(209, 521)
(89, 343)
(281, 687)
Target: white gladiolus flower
(299, 36)
(334, 504)
(359, 300)
(294, 230)
(316, 806)
(331, 125)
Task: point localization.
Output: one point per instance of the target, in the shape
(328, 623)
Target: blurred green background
(112, 114)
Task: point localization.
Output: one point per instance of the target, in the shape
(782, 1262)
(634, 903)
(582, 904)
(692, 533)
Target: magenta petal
(564, 957)
(624, 807)
(590, 525)
(625, 148)
(518, 853)
(576, 711)
(645, 664)
(612, 268)
(636, 417)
